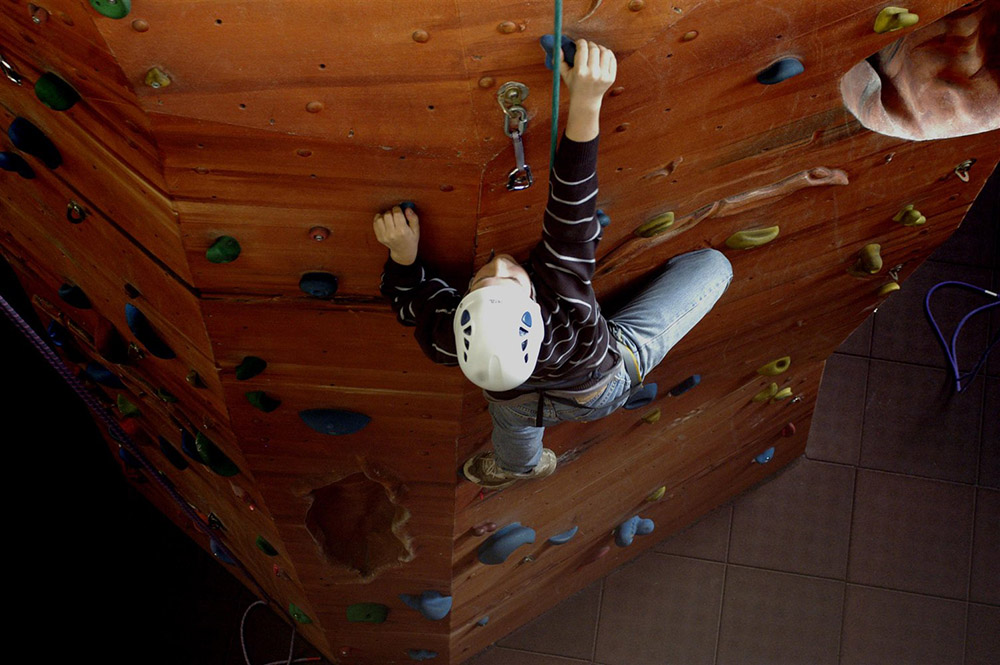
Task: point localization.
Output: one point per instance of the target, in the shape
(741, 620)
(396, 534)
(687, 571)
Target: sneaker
(485, 471)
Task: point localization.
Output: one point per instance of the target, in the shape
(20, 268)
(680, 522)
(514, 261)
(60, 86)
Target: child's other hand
(400, 233)
(594, 72)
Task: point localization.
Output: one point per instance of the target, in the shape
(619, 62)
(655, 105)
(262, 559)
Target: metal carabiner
(9, 71)
(517, 181)
(522, 120)
(962, 170)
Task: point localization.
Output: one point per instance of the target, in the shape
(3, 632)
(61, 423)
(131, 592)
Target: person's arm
(595, 70)
(418, 297)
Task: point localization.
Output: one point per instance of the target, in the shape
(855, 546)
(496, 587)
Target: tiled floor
(880, 547)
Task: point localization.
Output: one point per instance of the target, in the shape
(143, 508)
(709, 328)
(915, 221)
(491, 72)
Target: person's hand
(593, 73)
(400, 233)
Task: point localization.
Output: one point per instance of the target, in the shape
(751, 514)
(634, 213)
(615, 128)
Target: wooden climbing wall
(287, 126)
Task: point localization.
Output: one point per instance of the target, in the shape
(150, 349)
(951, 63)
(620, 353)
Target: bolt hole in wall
(937, 81)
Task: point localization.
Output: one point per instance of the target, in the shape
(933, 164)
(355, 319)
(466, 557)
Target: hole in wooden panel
(358, 526)
(935, 82)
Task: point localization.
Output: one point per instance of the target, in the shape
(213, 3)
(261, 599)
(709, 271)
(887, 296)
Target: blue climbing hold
(130, 460)
(632, 527)
(73, 295)
(564, 537)
(502, 544)
(765, 456)
(57, 333)
(189, 447)
(220, 552)
(334, 422)
(482, 622)
(319, 284)
(172, 455)
(408, 205)
(568, 49)
(645, 395)
(143, 331)
(431, 604)
(100, 374)
(11, 161)
(422, 654)
(603, 219)
(685, 385)
(780, 71)
(30, 139)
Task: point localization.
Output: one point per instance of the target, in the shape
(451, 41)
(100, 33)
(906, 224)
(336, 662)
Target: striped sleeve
(427, 302)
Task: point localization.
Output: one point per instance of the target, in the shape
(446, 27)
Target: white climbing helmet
(498, 333)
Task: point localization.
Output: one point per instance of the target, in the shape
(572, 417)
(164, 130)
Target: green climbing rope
(557, 57)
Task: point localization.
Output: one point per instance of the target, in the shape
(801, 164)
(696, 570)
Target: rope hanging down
(557, 57)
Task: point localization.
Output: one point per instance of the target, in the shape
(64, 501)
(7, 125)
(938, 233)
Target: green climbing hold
(250, 367)
(263, 401)
(127, 408)
(214, 458)
(298, 614)
(55, 92)
(266, 547)
(225, 250)
(656, 226)
(112, 8)
(367, 613)
(166, 396)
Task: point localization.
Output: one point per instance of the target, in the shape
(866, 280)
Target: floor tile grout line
(597, 625)
(725, 577)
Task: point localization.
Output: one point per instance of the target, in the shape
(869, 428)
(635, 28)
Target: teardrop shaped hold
(214, 458)
(780, 71)
(55, 92)
(502, 544)
(225, 249)
(143, 331)
(250, 367)
(334, 422)
(264, 546)
(367, 613)
(112, 8)
(298, 614)
(319, 284)
(261, 400)
(30, 139)
(74, 296)
(431, 604)
(752, 238)
(13, 162)
(172, 455)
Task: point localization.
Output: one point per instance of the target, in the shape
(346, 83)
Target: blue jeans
(649, 325)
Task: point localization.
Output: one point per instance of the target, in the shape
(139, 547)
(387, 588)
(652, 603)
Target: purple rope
(951, 352)
(118, 433)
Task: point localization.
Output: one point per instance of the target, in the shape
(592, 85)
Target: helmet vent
(465, 317)
(524, 345)
(526, 319)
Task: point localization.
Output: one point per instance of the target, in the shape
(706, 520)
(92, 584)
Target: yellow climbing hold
(869, 261)
(657, 495)
(888, 288)
(776, 367)
(155, 78)
(766, 393)
(784, 393)
(656, 226)
(652, 417)
(752, 238)
(909, 217)
(891, 19)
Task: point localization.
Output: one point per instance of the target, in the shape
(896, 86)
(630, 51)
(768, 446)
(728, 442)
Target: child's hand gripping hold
(400, 232)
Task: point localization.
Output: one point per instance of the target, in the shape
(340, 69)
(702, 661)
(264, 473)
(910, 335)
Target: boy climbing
(533, 336)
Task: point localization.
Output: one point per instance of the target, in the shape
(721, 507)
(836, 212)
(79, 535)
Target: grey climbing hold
(319, 284)
(334, 422)
(645, 395)
(564, 537)
(73, 295)
(30, 139)
(422, 654)
(781, 70)
(143, 331)
(11, 161)
(431, 604)
(250, 367)
(632, 527)
(502, 544)
(225, 249)
(685, 385)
